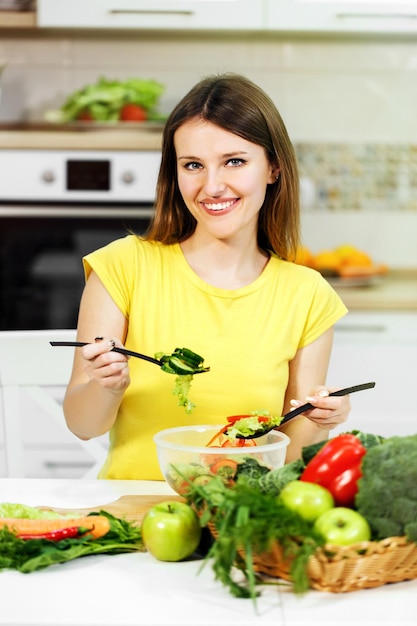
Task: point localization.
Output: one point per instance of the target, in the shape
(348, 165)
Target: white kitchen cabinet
(152, 14)
(342, 16)
(380, 347)
(50, 449)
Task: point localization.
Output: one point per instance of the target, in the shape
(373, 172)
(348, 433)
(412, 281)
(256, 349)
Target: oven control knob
(128, 178)
(48, 176)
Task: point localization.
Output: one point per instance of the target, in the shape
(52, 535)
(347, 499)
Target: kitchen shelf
(17, 19)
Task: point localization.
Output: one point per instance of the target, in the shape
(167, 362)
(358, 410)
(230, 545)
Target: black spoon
(306, 407)
(79, 344)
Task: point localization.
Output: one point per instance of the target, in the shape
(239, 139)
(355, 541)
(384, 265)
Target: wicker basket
(346, 568)
(349, 568)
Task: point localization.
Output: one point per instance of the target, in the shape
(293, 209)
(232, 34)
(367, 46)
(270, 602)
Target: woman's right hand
(107, 368)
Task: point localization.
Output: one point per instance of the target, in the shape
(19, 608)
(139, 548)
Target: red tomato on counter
(133, 113)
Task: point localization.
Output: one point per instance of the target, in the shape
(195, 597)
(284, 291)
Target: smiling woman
(211, 272)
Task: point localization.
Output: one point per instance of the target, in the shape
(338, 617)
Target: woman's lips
(219, 207)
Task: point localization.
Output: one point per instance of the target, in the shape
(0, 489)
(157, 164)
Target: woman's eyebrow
(226, 155)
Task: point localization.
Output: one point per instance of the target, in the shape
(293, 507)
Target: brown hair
(237, 105)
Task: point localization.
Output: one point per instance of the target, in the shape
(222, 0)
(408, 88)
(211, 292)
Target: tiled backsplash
(358, 177)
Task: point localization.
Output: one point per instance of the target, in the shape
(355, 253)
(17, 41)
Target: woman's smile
(223, 206)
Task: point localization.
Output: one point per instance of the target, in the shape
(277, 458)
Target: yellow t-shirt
(247, 336)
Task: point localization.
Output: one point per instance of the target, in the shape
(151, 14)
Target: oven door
(41, 250)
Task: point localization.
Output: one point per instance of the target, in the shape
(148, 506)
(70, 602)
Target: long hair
(237, 105)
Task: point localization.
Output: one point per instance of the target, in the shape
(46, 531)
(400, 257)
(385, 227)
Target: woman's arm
(307, 378)
(99, 377)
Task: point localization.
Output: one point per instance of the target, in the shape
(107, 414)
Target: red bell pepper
(337, 466)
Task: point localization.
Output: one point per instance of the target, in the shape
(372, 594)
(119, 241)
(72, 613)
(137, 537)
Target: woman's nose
(214, 184)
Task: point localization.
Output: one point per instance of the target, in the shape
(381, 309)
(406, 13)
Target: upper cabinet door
(343, 16)
(153, 14)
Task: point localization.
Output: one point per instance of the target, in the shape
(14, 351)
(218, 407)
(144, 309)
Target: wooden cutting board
(132, 508)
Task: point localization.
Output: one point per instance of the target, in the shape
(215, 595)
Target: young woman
(213, 274)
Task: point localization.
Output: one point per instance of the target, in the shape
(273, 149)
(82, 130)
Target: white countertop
(136, 589)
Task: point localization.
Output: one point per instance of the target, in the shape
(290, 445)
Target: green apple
(342, 526)
(309, 500)
(171, 531)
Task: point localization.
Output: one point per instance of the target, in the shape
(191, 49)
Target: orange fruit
(327, 262)
(345, 250)
(358, 258)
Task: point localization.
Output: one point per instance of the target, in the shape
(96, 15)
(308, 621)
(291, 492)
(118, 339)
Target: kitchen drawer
(342, 16)
(152, 14)
(51, 450)
(53, 462)
(377, 328)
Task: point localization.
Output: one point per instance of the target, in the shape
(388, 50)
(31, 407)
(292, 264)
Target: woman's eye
(193, 165)
(235, 162)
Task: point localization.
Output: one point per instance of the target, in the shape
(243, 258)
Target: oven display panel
(88, 175)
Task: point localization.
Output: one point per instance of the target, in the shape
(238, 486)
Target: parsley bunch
(247, 522)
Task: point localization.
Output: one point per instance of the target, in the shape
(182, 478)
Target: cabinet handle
(369, 16)
(150, 12)
(67, 464)
(363, 328)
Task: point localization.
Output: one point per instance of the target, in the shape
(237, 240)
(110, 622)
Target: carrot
(95, 526)
(213, 439)
(230, 464)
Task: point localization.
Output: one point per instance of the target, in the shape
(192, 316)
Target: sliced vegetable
(226, 468)
(337, 467)
(256, 422)
(240, 426)
(184, 363)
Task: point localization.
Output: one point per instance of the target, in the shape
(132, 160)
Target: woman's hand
(108, 369)
(329, 411)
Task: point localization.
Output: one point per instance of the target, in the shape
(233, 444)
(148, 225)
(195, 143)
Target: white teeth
(219, 206)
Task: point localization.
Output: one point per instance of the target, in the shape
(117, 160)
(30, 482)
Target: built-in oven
(55, 207)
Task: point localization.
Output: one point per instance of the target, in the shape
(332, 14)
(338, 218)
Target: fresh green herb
(246, 523)
(387, 495)
(35, 554)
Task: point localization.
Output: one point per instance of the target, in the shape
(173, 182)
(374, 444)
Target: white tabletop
(136, 589)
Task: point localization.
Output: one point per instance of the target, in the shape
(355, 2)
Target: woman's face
(222, 178)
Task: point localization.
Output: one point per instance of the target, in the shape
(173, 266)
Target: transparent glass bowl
(183, 454)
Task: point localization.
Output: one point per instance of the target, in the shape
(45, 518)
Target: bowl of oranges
(346, 262)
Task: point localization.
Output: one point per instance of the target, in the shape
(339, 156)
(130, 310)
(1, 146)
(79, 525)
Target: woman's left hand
(329, 411)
